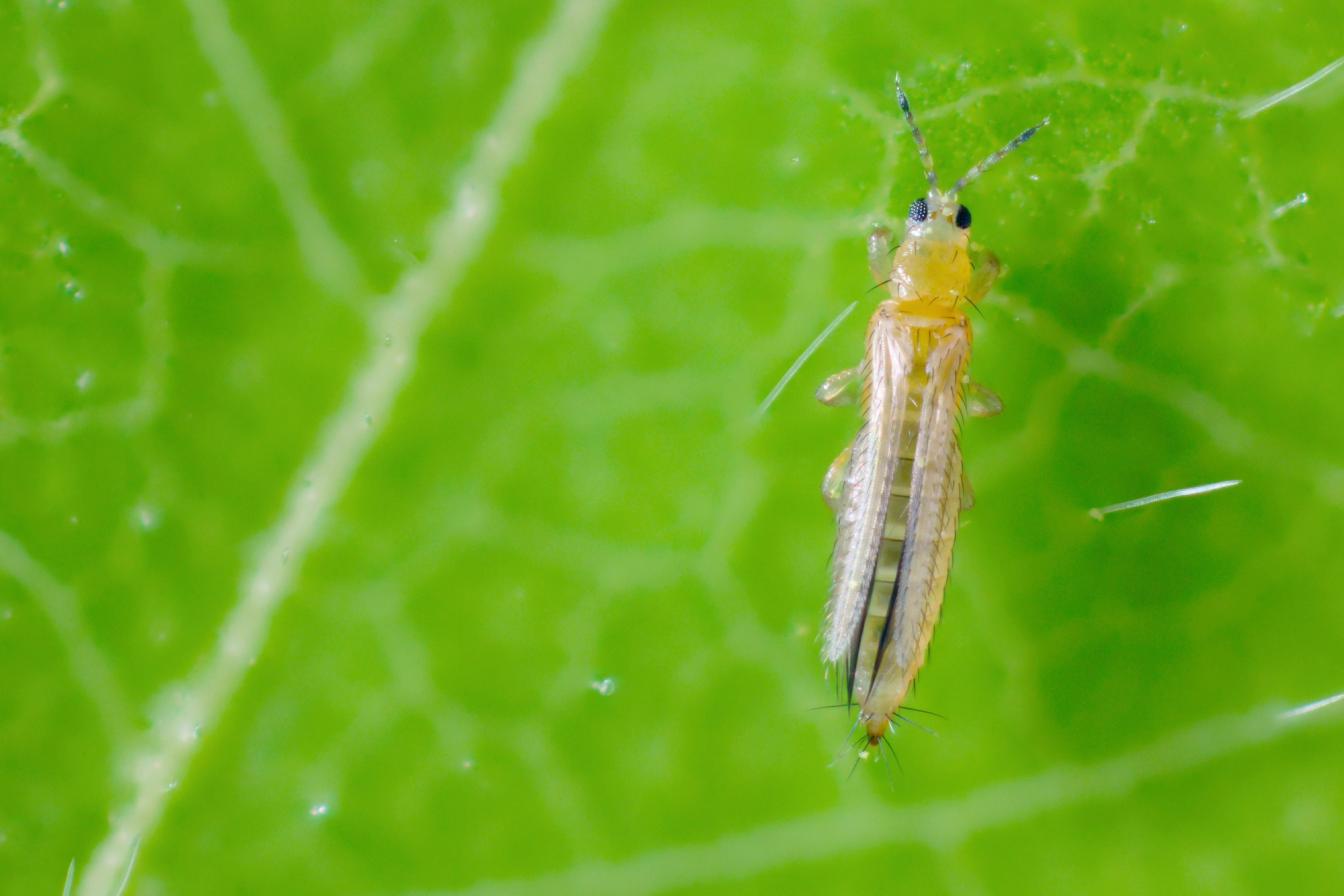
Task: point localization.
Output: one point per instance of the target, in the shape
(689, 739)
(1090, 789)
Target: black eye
(919, 210)
(963, 217)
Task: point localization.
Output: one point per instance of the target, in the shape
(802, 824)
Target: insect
(898, 489)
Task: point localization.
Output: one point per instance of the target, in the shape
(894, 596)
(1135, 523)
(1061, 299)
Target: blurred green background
(383, 507)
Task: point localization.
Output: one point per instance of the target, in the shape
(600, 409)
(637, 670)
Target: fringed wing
(931, 525)
(868, 480)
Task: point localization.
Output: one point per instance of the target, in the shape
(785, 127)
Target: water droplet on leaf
(146, 516)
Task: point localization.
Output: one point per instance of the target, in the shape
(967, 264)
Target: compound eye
(963, 217)
(919, 210)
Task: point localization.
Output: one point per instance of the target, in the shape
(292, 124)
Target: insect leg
(840, 389)
(985, 269)
(982, 402)
(879, 254)
(834, 482)
(967, 493)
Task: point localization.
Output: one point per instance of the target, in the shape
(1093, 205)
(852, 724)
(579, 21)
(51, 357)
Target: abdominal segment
(882, 592)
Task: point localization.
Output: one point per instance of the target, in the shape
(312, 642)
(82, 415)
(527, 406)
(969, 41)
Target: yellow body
(931, 270)
(902, 489)
(898, 490)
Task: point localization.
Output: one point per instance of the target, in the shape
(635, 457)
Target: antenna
(993, 159)
(918, 135)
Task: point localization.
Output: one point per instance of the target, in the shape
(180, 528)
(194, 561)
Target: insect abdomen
(893, 535)
(902, 615)
(889, 555)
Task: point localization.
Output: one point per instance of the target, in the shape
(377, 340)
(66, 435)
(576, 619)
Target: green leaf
(385, 505)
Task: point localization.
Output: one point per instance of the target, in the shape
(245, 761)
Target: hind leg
(833, 484)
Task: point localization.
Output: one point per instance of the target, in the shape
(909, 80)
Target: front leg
(840, 389)
(879, 254)
(985, 269)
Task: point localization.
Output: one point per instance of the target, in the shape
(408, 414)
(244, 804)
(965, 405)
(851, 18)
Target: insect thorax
(931, 270)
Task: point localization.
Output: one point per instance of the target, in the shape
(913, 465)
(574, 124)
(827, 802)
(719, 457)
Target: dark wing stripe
(867, 487)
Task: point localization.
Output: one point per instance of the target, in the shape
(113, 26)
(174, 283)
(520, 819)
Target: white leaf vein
(456, 238)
